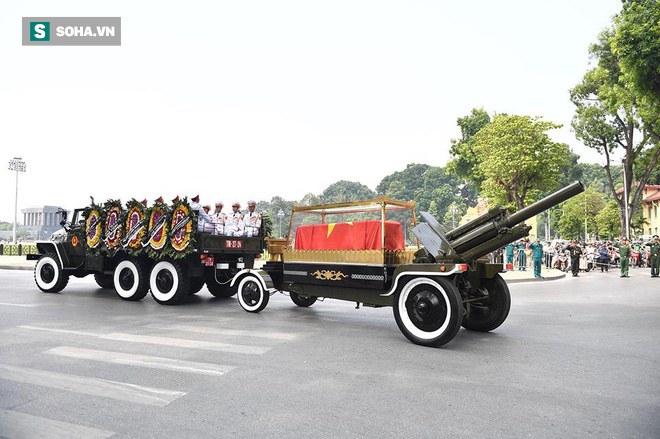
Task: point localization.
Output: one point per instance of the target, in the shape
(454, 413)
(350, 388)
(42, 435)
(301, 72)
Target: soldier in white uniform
(251, 220)
(204, 221)
(219, 218)
(234, 221)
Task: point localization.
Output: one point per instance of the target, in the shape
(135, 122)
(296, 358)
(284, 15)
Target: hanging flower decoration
(158, 219)
(93, 215)
(113, 224)
(183, 223)
(135, 224)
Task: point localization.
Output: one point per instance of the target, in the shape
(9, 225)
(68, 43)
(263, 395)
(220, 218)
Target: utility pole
(280, 214)
(585, 217)
(625, 194)
(18, 165)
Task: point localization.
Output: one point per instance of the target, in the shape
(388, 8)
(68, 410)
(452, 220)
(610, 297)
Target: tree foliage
(464, 159)
(346, 191)
(584, 206)
(617, 102)
(517, 159)
(608, 221)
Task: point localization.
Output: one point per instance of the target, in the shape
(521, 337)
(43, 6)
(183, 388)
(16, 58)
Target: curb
(15, 267)
(535, 279)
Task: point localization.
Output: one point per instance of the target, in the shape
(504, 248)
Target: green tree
(402, 185)
(636, 45)
(517, 159)
(346, 191)
(584, 206)
(608, 220)
(616, 107)
(464, 159)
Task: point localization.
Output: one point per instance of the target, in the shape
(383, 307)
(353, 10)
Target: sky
(249, 100)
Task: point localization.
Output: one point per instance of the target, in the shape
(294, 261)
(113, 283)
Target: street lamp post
(18, 165)
(280, 215)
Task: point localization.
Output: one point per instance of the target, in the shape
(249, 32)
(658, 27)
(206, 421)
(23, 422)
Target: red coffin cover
(357, 235)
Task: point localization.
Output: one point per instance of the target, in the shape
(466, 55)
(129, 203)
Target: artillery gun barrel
(493, 213)
(496, 228)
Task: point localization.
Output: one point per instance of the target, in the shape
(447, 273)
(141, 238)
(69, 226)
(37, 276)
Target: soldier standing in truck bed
(624, 255)
(251, 220)
(218, 218)
(655, 255)
(234, 221)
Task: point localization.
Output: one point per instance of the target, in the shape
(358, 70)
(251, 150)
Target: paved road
(578, 357)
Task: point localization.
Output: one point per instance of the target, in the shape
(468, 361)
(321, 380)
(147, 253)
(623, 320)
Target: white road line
(16, 425)
(61, 331)
(90, 386)
(221, 331)
(142, 361)
(184, 343)
(25, 305)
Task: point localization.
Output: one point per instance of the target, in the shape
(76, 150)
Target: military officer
(251, 220)
(219, 218)
(624, 255)
(509, 253)
(234, 221)
(655, 255)
(575, 251)
(204, 221)
(537, 256)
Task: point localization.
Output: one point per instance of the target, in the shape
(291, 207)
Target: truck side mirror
(64, 217)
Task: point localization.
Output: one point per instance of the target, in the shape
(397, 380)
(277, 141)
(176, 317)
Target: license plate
(208, 262)
(233, 243)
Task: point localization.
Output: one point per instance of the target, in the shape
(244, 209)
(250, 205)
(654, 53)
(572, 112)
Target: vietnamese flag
(357, 235)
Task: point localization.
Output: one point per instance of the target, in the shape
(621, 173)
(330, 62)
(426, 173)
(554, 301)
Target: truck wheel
(428, 311)
(490, 313)
(251, 294)
(168, 282)
(130, 280)
(48, 275)
(104, 280)
(223, 291)
(196, 284)
(303, 301)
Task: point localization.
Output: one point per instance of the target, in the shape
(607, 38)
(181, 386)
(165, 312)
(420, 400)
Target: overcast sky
(237, 100)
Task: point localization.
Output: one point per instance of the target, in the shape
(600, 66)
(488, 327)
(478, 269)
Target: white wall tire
(130, 280)
(49, 275)
(429, 312)
(251, 294)
(168, 282)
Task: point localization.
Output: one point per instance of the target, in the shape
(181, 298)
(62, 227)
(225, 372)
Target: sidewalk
(516, 276)
(16, 263)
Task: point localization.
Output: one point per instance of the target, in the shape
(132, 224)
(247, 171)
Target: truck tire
(130, 280)
(48, 275)
(428, 311)
(168, 282)
(303, 301)
(104, 281)
(493, 311)
(223, 290)
(251, 294)
(196, 284)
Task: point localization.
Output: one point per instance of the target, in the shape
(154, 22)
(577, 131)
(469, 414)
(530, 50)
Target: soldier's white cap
(251, 203)
(219, 203)
(236, 204)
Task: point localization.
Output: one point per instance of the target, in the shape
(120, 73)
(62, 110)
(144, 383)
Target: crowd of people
(583, 257)
(235, 223)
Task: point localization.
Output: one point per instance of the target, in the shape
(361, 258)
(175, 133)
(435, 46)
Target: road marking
(26, 305)
(61, 331)
(220, 331)
(90, 386)
(16, 425)
(184, 343)
(142, 361)
(164, 341)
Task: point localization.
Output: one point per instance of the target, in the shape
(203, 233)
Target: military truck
(435, 288)
(138, 250)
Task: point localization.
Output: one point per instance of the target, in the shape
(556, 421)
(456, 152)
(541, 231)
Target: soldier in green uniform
(655, 255)
(624, 254)
(537, 256)
(509, 254)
